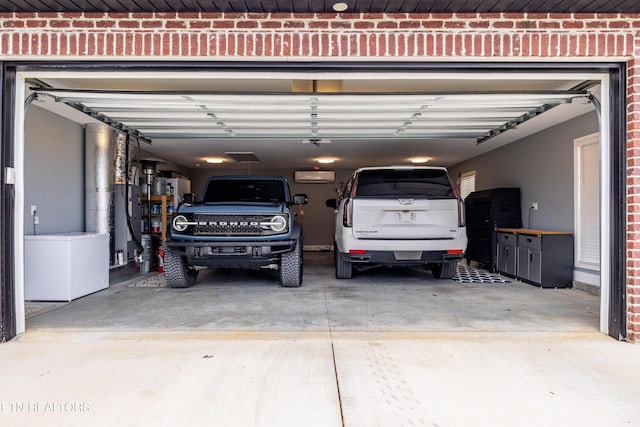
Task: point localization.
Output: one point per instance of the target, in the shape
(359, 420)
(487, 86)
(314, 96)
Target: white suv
(399, 215)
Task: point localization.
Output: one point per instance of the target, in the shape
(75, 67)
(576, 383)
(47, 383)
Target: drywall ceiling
(284, 146)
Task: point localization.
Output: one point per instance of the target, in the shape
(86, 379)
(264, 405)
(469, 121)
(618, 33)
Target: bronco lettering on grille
(229, 224)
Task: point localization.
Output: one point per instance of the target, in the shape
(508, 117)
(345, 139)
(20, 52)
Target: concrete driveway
(389, 348)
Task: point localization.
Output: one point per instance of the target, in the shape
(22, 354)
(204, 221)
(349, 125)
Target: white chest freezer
(63, 267)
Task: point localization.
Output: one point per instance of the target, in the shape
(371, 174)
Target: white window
(587, 201)
(467, 184)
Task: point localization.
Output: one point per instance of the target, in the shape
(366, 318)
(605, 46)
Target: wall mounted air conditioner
(318, 177)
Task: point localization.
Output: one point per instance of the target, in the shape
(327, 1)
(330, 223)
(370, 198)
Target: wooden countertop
(531, 232)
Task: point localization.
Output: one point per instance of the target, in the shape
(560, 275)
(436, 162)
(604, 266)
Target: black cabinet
(507, 261)
(530, 258)
(485, 211)
(542, 258)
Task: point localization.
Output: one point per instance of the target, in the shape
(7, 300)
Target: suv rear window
(419, 183)
(228, 190)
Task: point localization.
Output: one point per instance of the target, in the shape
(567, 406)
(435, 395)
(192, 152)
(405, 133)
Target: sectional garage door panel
(313, 117)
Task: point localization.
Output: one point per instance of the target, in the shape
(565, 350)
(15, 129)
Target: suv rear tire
(344, 268)
(444, 270)
(177, 271)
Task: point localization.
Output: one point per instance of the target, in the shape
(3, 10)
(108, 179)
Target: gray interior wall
(54, 172)
(317, 219)
(542, 166)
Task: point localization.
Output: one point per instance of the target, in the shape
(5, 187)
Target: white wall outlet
(33, 209)
(534, 206)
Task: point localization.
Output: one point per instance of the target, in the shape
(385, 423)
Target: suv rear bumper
(403, 257)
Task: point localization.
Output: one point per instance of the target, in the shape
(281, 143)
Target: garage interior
(505, 130)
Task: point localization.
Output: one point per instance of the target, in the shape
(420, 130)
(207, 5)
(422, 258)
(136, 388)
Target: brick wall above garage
(424, 37)
(278, 35)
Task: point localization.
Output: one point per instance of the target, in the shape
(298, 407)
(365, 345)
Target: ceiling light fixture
(215, 160)
(325, 160)
(418, 160)
(340, 6)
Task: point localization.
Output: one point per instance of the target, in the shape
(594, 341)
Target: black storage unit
(485, 211)
(541, 258)
(507, 257)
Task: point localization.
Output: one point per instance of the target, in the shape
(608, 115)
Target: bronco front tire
(177, 271)
(291, 267)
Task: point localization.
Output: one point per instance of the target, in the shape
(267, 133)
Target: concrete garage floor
(388, 348)
(376, 300)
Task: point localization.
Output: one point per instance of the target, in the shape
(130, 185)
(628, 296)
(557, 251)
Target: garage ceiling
(324, 6)
(292, 120)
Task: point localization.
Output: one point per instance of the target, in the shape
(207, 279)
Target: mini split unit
(316, 141)
(315, 177)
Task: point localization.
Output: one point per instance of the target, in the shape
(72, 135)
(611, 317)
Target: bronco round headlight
(278, 223)
(180, 223)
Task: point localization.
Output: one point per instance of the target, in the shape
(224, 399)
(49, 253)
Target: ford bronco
(240, 222)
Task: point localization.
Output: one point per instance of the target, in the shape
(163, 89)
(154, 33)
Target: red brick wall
(388, 36)
(367, 35)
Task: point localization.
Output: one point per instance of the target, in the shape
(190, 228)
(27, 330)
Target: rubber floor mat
(467, 274)
(156, 281)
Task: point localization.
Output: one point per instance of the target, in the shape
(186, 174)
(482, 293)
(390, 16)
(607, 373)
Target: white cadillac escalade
(399, 215)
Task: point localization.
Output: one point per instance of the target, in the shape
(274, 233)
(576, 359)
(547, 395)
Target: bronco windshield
(244, 190)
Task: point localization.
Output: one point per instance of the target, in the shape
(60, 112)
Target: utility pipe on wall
(98, 177)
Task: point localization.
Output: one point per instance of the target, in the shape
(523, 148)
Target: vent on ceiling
(243, 156)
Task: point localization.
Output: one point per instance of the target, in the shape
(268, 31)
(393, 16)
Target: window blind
(467, 184)
(588, 202)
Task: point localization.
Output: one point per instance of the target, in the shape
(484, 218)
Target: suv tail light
(347, 215)
(461, 219)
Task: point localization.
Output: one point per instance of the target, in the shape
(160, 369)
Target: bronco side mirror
(332, 203)
(189, 198)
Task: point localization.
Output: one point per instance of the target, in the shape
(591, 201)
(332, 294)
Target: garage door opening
(371, 101)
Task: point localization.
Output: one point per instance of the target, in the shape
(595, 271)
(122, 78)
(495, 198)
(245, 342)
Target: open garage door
(187, 125)
(315, 118)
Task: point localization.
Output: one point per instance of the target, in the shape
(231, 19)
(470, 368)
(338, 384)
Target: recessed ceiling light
(325, 160)
(340, 6)
(419, 160)
(215, 160)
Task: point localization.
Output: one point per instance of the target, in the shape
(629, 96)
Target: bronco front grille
(244, 225)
